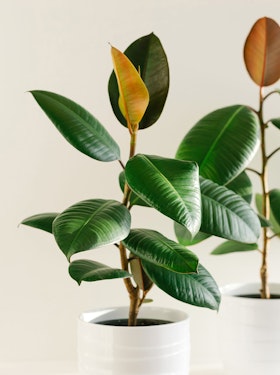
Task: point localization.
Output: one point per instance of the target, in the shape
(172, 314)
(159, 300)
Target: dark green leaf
(134, 199)
(196, 289)
(242, 186)
(274, 196)
(222, 143)
(170, 186)
(153, 247)
(273, 224)
(233, 246)
(226, 214)
(90, 224)
(147, 55)
(184, 238)
(41, 221)
(276, 122)
(78, 126)
(88, 270)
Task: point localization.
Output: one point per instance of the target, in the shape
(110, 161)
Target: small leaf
(41, 221)
(233, 246)
(148, 56)
(274, 196)
(196, 289)
(171, 186)
(276, 122)
(222, 143)
(153, 247)
(90, 224)
(78, 126)
(184, 238)
(139, 275)
(273, 224)
(226, 214)
(262, 52)
(88, 270)
(134, 96)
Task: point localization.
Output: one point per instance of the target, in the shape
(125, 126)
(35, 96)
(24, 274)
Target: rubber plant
(222, 139)
(138, 88)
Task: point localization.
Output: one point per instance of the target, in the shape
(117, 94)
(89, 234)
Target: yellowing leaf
(134, 95)
(262, 52)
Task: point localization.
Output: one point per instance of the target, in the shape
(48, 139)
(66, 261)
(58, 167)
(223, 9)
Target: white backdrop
(62, 46)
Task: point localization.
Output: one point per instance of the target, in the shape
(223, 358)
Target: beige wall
(62, 46)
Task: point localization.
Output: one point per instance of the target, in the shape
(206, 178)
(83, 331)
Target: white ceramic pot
(141, 350)
(249, 330)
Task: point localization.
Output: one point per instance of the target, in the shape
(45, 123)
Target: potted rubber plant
(138, 88)
(250, 326)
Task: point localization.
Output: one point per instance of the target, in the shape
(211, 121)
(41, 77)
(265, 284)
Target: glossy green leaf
(196, 289)
(274, 196)
(222, 143)
(242, 186)
(88, 270)
(226, 214)
(78, 126)
(134, 199)
(41, 221)
(153, 247)
(233, 246)
(90, 224)
(170, 186)
(274, 225)
(184, 238)
(262, 52)
(147, 55)
(276, 122)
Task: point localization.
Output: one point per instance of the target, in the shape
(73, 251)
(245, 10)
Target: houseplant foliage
(221, 141)
(138, 88)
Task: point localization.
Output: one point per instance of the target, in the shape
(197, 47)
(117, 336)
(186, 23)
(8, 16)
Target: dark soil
(140, 322)
(257, 296)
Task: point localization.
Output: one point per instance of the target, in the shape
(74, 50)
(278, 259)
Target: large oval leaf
(196, 289)
(90, 224)
(134, 95)
(226, 214)
(147, 55)
(88, 270)
(222, 143)
(170, 186)
(41, 221)
(262, 52)
(78, 126)
(154, 247)
(233, 247)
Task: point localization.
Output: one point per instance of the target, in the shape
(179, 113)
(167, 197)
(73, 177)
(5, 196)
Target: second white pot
(141, 350)
(249, 330)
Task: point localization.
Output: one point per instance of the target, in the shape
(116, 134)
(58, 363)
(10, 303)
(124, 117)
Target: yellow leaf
(262, 52)
(134, 95)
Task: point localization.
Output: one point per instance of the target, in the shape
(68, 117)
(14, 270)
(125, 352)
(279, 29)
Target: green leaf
(226, 214)
(78, 126)
(242, 186)
(274, 196)
(171, 186)
(184, 238)
(88, 270)
(90, 224)
(41, 221)
(147, 55)
(276, 122)
(153, 247)
(134, 199)
(196, 289)
(233, 246)
(222, 143)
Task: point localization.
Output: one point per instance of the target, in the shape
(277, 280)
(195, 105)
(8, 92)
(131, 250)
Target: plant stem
(265, 293)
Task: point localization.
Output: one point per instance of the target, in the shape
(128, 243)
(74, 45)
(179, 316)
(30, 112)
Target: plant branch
(273, 153)
(253, 170)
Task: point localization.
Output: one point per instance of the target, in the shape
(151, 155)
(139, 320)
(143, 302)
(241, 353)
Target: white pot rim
(237, 289)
